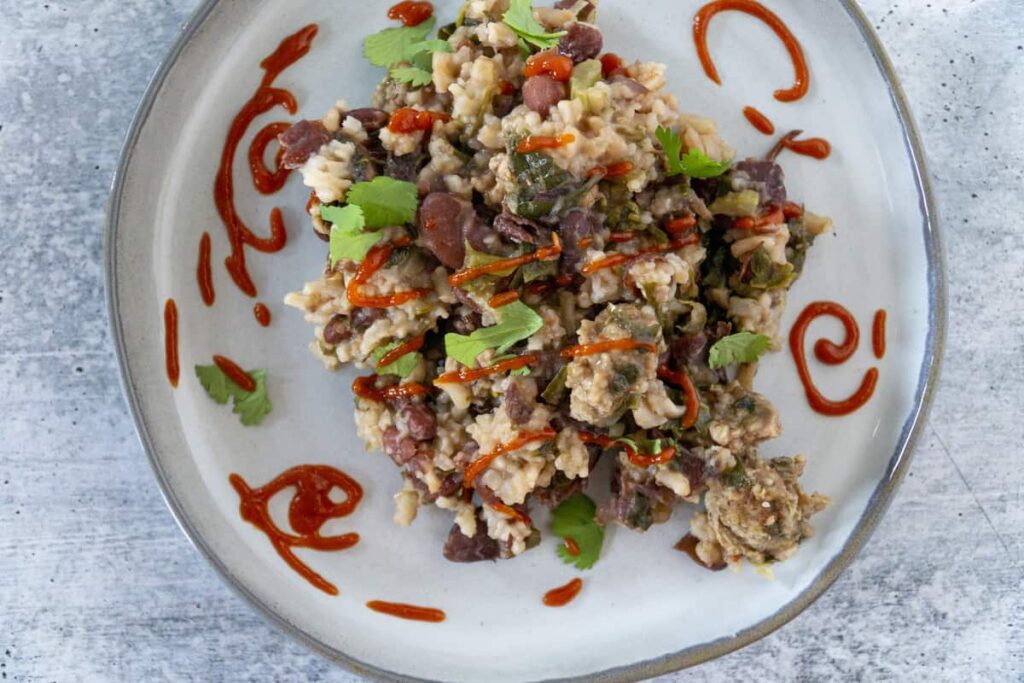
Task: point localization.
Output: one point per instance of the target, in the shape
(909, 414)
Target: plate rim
(877, 504)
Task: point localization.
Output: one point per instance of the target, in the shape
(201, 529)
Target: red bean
(540, 93)
(582, 42)
(337, 330)
(301, 141)
(441, 221)
(419, 420)
(372, 119)
(399, 448)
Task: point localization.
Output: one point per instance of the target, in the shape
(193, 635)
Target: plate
(645, 608)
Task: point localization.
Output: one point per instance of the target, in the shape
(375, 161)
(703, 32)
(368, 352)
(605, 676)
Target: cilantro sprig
(519, 18)
(348, 241)
(250, 406)
(516, 321)
(742, 347)
(575, 519)
(385, 201)
(695, 163)
(408, 46)
(401, 366)
(372, 205)
(394, 45)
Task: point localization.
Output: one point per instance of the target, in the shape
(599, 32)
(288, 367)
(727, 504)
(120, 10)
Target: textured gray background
(97, 582)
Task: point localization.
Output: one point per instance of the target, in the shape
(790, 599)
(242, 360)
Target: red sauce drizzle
(878, 334)
(411, 346)
(832, 354)
(610, 64)
(267, 181)
(461, 277)
(266, 97)
(755, 9)
(512, 512)
(261, 313)
(365, 387)
(376, 259)
(204, 272)
(473, 374)
(411, 13)
(310, 507)
(571, 546)
(503, 299)
(678, 225)
(403, 611)
(563, 595)
(409, 120)
(606, 346)
(759, 121)
(618, 169)
(559, 67)
(235, 373)
(477, 467)
(171, 342)
(682, 379)
(817, 148)
(534, 143)
(616, 259)
(688, 544)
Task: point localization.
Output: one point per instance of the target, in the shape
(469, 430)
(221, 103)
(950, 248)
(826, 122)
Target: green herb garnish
(695, 163)
(250, 406)
(376, 204)
(742, 347)
(402, 366)
(348, 241)
(519, 18)
(385, 201)
(574, 519)
(394, 45)
(516, 321)
(413, 75)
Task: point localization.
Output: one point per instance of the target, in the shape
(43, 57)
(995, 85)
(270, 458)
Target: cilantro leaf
(517, 321)
(348, 241)
(697, 164)
(519, 18)
(574, 519)
(435, 45)
(412, 75)
(385, 201)
(673, 147)
(402, 366)
(742, 347)
(216, 383)
(250, 406)
(253, 406)
(393, 44)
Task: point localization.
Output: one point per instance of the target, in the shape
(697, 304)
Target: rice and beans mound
(586, 274)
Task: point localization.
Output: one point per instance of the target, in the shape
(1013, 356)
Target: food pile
(544, 265)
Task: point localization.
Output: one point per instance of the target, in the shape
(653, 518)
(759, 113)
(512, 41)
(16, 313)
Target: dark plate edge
(877, 505)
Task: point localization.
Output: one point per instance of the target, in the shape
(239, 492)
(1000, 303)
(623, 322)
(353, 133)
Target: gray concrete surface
(96, 581)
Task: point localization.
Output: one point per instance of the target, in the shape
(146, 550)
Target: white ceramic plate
(645, 609)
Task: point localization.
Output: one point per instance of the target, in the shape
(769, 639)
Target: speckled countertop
(98, 583)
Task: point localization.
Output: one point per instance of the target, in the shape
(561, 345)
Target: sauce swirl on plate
(802, 80)
(266, 97)
(311, 506)
(831, 354)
